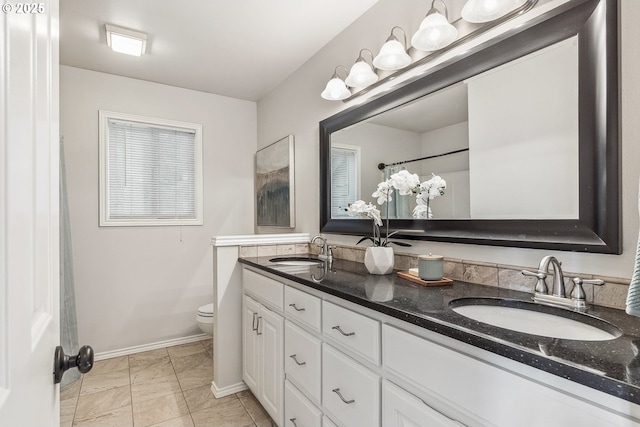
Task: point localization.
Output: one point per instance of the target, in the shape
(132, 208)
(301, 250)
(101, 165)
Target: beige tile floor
(169, 387)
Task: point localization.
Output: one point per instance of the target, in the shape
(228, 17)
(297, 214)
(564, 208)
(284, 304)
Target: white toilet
(204, 318)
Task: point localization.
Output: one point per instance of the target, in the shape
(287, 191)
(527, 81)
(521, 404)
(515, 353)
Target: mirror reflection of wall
(519, 123)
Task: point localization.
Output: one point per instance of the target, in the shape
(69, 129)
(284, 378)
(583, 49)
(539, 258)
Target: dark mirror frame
(598, 227)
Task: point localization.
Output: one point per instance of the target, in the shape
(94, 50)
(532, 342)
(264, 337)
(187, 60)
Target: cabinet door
(250, 344)
(271, 333)
(402, 409)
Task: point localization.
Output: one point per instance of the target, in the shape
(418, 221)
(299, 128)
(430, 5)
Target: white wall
(140, 285)
(296, 107)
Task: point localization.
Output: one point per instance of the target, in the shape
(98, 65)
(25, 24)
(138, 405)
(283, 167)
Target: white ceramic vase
(379, 259)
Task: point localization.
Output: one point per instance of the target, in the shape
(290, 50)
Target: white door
(29, 254)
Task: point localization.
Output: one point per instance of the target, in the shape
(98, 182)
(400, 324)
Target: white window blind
(345, 161)
(151, 172)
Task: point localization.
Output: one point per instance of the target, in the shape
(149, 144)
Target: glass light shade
(335, 90)
(361, 75)
(435, 32)
(392, 56)
(479, 11)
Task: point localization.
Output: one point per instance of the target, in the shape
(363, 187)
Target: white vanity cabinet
(343, 365)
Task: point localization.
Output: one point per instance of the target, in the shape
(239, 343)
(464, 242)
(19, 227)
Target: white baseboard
(152, 346)
(227, 391)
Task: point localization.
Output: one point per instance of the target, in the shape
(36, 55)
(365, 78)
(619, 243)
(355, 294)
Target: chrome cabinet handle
(346, 334)
(296, 308)
(258, 326)
(295, 359)
(253, 323)
(293, 421)
(337, 391)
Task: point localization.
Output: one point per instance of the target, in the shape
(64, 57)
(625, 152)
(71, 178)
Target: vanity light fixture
(361, 74)
(336, 89)
(435, 31)
(393, 54)
(480, 11)
(124, 40)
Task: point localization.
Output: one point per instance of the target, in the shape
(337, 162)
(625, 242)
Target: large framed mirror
(524, 130)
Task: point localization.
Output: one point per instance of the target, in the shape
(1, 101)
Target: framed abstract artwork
(275, 204)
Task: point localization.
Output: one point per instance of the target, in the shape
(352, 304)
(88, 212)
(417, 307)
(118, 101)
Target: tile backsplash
(612, 294)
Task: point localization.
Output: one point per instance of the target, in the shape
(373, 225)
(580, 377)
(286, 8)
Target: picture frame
(274, 184)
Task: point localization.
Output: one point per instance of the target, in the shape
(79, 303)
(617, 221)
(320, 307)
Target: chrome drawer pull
(258, 326)
(296, 308)
(293, 421)
(337, 391)
(346, 334)
(253, 324)
(293, 356)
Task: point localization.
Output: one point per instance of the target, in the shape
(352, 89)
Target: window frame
(104, 216)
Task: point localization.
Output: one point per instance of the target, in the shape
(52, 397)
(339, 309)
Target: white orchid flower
(405, 182)
(360, 208)
(383, 193)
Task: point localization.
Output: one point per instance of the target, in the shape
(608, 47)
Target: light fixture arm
(361, 58)
(435, 10)
(393, 37)
(335, 72)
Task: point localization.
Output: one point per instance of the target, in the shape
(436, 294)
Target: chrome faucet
(558, 294)
(326, 251)
(557, 288)
(558, 277)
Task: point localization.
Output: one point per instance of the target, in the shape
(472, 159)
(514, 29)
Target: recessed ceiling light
(124, 40)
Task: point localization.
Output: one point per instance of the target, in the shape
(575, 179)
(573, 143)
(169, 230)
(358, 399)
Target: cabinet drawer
(326, 422)
(302, 353)
(302, 307)
(299, 411)
(484, 392)
(350, 392)
(266, 289)
(355, 331)
(400, 409)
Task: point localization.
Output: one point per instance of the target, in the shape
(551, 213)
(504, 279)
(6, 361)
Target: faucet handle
(330, 249)
(541, 285)
(578, 291)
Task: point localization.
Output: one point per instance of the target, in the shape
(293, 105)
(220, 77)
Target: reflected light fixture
(361, 73)
(435, 31)
(124, 40)
(393, 54)
(480, 11)
(336, 89)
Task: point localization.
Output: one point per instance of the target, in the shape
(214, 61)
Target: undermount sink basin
(535, 319)
(296, 261)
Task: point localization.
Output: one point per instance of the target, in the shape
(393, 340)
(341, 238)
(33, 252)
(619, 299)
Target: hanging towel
(633, 297)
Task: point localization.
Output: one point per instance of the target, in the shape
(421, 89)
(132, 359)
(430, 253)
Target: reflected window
(345, 184)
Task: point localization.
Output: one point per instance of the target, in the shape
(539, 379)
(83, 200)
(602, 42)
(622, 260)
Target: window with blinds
(151, 171)
(345, 182)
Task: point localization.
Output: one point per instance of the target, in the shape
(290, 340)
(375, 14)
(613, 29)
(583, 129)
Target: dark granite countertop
(612, 366)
